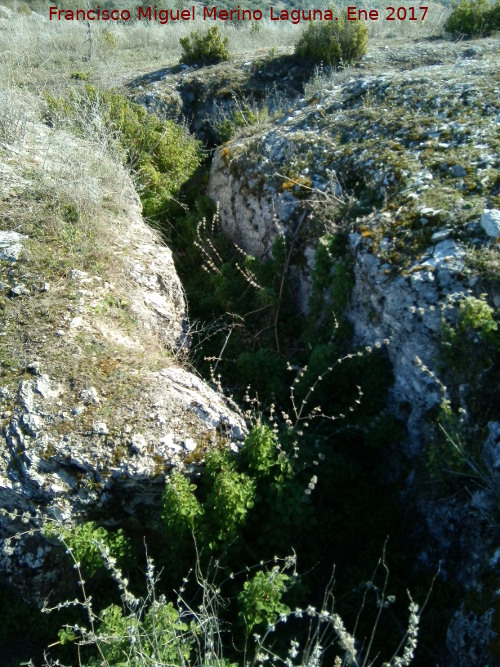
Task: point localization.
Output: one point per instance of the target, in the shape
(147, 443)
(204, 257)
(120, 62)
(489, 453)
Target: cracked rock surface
(97, 403)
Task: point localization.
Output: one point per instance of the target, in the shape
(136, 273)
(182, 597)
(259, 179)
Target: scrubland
(232, 563)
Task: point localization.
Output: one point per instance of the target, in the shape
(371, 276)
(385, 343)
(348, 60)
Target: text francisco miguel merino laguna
(164, 16)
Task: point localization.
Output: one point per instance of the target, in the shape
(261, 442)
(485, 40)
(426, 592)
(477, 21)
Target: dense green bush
(333, 43)
(204, 48)
(470, 357)
(260, 599)
(473, 17)
(161, 153)
(475, 329)
(217, 510)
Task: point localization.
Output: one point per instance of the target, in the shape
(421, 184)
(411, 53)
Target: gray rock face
(470, 637)
(405, 310)
(254, 212)
(268, 184)
(96, 408)
(156, 295)
(50, 468)
(410, 246)
(10, 245)
(491, 450)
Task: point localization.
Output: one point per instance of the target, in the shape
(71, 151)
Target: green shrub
(180, 513)
(494, 17)
(260, 451)
(204, 48)
(125, 639)
(150, 630)
(475, 314)
(86, 542)
(470, 358)
(476, 327)
(180, 506)
(260, 599)
(80, 76)
(161, 153)
(231, 497)
(473, 17)
(333, 43)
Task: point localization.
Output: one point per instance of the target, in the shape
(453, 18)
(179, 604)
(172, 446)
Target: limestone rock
(324, 153)
(469, 638)
(490, 222)
(353, 143)
(96, 409)
(10, 245)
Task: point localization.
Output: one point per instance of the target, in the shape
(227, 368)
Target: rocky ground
(97, 402)
(399, 154)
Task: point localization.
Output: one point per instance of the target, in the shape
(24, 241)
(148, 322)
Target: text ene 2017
(393, 14)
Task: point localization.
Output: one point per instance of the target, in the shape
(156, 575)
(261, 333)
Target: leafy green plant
(158, 635)
(86, 542)
(475, 329)
(150, 630)
(473, 17)
(333, 43)
(180, 506)
(231, 496)
(261, 598)
(79, 75)
(140, 631)
(204, 48)
(162, 154)
(261, 451)
(475, 314)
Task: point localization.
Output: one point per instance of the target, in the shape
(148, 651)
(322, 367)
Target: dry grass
(72, 200)
(432, 26)
(44, 54)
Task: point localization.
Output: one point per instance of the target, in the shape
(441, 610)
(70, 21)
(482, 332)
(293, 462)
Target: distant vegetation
(474, 17)
(204, 47)
(333, 43)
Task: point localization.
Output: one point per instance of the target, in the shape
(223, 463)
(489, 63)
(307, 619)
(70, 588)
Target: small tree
(333, 42)
(204, 48)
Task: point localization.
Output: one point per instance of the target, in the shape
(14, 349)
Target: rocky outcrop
(204, 98)
(97, 403)
(405, 165)
(377, 157)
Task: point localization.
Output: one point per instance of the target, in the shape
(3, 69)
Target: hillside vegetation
(249, 352)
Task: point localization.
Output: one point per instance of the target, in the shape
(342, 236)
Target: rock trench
(61, 455)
